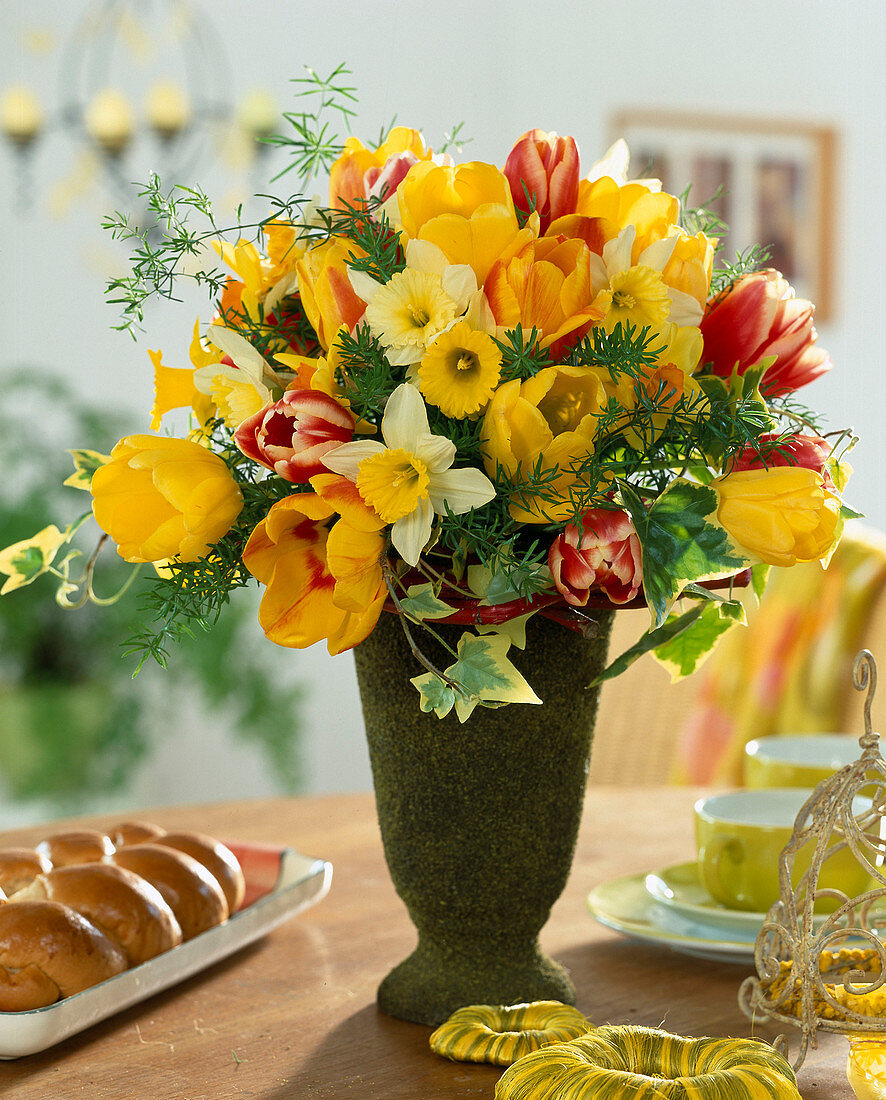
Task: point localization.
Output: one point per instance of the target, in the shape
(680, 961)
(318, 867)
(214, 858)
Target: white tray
(279, 884)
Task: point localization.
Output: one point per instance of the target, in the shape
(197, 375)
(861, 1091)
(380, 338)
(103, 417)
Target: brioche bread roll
(191, 892)
(82, 846)
(48, 951)
(120, 903)
(134, 832)
(19, 866)
(218, 860)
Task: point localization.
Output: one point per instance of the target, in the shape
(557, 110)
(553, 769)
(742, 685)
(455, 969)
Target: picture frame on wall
(774, 182)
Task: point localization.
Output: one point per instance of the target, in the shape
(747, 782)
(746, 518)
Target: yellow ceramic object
(740, 836)
(613, 1063)
(866, 1067)
(503, 1033)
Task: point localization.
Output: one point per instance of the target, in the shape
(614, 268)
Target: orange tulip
(542, 169)
(355, 175)
(326, 292)
(652, 213)
(546, 286)
(320, 583)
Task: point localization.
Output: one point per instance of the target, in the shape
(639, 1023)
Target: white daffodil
(239, 390)
(614, 163)
(410, 310)
(408, 478)
(637, 292)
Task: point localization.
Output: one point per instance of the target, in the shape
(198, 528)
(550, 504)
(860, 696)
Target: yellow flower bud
(783, 515)
(160, 497)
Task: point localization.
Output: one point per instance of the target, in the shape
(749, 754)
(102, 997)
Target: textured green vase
(479, 821)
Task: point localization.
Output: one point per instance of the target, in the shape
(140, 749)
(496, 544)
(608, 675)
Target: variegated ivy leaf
(759, 577)
(483, 670)
(25, 561)
(495, 586)
(484, 675)
(674, 625)
(689, 649)
(85, 464)
(421, 602)
(435, 695)
(514, 629)
(681, 541)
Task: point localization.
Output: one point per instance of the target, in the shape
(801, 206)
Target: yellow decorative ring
(612, 1063)
(835, 965)
(503, 1033)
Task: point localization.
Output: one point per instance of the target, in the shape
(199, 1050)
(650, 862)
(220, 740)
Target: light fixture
(144, 89)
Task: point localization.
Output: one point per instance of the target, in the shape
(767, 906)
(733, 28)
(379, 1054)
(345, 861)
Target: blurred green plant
(72, 718)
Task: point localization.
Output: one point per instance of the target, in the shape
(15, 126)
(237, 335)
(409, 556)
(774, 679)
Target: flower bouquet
(443, 416)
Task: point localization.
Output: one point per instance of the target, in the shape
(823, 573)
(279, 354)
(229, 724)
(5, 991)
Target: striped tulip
(758, 316)
(291, 436)
(543, 170)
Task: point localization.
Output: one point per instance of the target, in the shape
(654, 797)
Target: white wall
(502, 67)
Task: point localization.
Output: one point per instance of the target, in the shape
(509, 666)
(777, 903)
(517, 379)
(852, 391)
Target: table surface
(294, 1015)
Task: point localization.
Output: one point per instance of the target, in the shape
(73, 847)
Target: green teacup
(740, 836)
(798, 761)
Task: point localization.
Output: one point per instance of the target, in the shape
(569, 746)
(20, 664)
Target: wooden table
(294, 1016)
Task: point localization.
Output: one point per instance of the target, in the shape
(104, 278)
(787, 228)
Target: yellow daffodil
(237, 387)
(409, 311)
(408, 478)
(637, 292)
(460, 370)
(174, 386)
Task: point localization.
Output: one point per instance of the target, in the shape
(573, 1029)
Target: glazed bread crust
(218, 859)
(82, 846)
(190, 891)
(123, 905)
(20, 866)
(48, 951)
(134, 832)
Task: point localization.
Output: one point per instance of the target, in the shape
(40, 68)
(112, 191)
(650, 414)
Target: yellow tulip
(326, 293)
(551, 418)
(691, 265)
(783, 515)
(466, 210)
(652, 213)
(159, 497)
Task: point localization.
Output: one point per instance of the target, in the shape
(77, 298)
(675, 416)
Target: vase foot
(428, 986)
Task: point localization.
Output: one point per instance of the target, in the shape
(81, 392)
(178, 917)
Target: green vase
(479, 821)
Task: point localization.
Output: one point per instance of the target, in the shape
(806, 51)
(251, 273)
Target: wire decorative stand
(815, 970)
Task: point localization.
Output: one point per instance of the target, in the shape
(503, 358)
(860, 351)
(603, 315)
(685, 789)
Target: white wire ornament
(822, 971)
